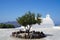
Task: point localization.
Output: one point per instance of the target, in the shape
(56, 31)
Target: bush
(6, 25)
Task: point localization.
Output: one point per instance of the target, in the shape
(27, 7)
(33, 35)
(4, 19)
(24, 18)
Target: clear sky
(11, 9)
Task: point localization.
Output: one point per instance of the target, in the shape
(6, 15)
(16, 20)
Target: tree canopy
(29, 19)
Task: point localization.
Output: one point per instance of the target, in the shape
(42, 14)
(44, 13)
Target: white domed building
(46, 22)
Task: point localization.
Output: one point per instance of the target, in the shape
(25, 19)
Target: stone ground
(52, 34)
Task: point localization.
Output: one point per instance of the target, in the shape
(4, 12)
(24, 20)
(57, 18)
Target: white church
(46, 22)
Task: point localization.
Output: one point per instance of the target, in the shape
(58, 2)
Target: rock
(32, 34)
(13, 33)
(42, 34)
(18, 32)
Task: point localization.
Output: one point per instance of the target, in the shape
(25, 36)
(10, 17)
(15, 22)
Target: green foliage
(39, 18)
(10, 26)
(29, 19)
(6, 25)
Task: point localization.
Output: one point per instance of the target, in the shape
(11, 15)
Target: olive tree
(29, 19)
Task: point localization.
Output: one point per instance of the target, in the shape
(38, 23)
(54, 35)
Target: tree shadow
(48, 34)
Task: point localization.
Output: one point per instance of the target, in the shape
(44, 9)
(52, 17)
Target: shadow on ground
(48, 34)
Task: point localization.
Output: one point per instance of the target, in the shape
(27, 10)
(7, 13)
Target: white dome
(47, 21)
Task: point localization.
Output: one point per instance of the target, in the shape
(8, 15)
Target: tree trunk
(25, 28)
(29, 30)
(29, 27)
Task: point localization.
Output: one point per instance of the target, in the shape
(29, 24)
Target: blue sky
(11, 9)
